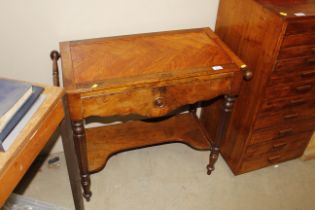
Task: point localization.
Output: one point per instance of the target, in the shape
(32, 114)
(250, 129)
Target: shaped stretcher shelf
(102, 142)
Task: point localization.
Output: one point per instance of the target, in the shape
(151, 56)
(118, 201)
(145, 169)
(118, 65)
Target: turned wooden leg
(81, 150)
(221, 130)
(71, 159)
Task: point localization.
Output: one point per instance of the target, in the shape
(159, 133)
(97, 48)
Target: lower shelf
(102, 142)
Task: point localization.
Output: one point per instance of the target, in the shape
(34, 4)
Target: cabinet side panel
(254, 34)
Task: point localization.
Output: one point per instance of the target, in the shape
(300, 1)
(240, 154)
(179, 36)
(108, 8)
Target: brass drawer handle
(311, 61)
(158, 102)
(274, 159)
(285, 132)
(308, 74)
(303, 88)
(297, 102)
(290, 116)
(279, 145)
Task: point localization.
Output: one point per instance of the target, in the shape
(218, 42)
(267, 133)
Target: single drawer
(294, 65)
(153, 101)
(270, 159)
(269, 119)
(292, 77)
(300, 26)
(289, 104)
(282, 131)
(297, 51)
(298, 142)
(306, 89)
(298, 39)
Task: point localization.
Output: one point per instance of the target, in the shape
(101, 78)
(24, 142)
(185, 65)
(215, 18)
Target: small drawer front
(282, 131)
(298, 51)
(289, 104)
(301, 26)
(153, 101)
(306, 63)
(270, 159)
(292, 77)
(269, 119)
(298, 142)
(180, 94)
(298, 39)
(293, 89)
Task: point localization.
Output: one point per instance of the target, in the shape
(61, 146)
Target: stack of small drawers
(274, 117)
(286, 118)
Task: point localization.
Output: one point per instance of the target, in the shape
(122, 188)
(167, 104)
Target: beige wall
(31, 29)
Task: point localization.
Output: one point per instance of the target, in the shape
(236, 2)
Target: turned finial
(54, 55)
(248, 75)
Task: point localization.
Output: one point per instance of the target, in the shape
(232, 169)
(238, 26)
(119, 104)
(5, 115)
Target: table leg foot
(85, 181)
(212, 160)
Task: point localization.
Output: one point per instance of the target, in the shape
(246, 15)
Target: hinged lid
(149, 57)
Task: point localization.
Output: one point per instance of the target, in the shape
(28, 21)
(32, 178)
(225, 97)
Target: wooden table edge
(15, 162)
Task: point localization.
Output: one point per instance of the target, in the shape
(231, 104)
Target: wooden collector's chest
(274, 117)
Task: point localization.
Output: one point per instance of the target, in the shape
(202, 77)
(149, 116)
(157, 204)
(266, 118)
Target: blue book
(36, 91)
(13, 94)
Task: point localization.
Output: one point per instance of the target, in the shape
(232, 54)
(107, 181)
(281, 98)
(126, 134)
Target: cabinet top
(290, 8)
(110, 62)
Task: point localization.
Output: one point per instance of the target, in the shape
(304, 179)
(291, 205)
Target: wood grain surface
(107, 140)
(104, 59)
